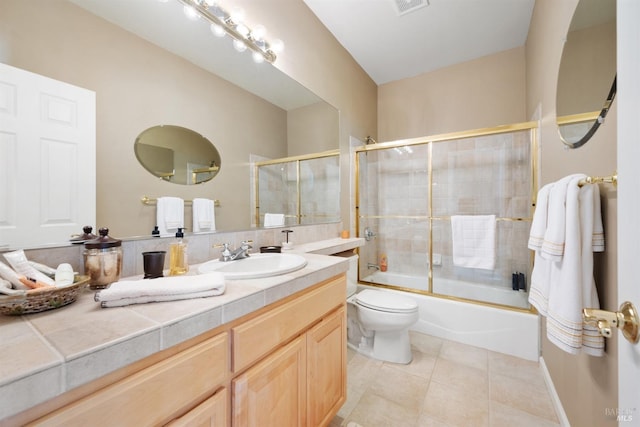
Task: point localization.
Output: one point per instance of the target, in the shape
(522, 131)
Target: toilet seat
(385, 301)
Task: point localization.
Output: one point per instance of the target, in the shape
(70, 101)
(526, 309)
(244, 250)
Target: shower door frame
(531, 126)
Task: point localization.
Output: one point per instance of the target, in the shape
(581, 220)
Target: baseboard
(557, 404)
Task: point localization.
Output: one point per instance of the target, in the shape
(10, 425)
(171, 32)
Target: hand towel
(169, 215)
(474, 241)
(127, 292)
(273, 220)
(203, 215)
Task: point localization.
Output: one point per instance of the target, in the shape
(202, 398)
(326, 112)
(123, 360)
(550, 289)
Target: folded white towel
(273, 220)
(169, 215)
(161, 289)
(203, 215)
(474, 241)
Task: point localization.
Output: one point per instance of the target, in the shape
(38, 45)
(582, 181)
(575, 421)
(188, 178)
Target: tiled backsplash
(200, 246)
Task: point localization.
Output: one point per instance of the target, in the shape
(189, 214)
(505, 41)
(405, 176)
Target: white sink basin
(256, 266)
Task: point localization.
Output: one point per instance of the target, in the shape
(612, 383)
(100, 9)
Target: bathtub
(502, 330)
(455, 288)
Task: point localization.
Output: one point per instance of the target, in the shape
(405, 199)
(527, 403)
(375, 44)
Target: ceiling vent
(408, 6)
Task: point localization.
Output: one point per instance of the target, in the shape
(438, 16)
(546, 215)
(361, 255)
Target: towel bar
(613, 179)
(146, 200)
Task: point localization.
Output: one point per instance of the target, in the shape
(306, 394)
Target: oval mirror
(587, 75)
(176, 154)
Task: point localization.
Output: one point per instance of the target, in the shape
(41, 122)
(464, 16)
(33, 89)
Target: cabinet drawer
(211, 412)
(257, 337)
(152, 395)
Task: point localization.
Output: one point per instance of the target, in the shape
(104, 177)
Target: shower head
(369, 140)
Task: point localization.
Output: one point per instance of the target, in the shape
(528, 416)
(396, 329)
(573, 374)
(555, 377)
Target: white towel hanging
(203, 215)
(563, 284)
(273, 220)
(169, 215)
(474, 241)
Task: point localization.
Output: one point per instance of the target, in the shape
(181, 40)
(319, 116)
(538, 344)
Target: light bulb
(217, 30)
(257, 57)
(237, 15)
(239, 45)
(191, 13)
(242, 30)
(277, 46)
(258, 32)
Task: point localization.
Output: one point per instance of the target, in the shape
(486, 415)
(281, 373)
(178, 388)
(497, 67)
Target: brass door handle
(626, 319)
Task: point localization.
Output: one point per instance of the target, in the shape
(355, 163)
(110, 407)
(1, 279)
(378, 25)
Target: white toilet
(378, 322)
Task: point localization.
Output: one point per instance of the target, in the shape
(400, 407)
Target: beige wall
(586, 385)
(312, 129)
(485, 92)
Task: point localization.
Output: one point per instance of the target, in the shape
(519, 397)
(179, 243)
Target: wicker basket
(42, 300)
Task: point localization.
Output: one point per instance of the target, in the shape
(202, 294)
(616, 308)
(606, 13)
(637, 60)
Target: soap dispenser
(178, 255)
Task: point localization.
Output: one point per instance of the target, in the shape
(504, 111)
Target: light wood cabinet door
(326, 368)
(259, 336)
(273, 392)
(210, 413)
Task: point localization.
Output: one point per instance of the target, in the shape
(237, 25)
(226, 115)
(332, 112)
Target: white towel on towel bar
(539, 223)
(203, 215)
(554, 236)
(169, 215)
(474, 241)
(273, 220)
(562, 285)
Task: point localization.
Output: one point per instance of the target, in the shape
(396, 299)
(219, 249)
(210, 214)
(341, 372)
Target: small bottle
(383, 262)
(178, 255)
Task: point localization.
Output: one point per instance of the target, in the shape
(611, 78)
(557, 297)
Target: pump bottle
(178, 255)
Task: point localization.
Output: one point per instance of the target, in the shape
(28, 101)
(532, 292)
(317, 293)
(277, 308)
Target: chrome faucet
(369, 234)
(371, 265)
(239, 253)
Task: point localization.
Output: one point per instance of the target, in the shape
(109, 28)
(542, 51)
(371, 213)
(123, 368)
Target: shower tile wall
(474, 176)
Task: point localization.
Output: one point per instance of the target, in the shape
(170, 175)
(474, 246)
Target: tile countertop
(46, 354)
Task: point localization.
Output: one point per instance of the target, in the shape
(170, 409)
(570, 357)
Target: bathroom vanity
(271, 349)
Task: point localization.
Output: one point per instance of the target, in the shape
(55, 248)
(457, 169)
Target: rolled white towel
(127, 292)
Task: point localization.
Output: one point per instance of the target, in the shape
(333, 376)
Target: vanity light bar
(220, 17)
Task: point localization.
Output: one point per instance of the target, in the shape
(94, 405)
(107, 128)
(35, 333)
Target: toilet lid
(385, 301)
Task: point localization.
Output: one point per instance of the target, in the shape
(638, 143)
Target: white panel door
(628, 98)
(47, 159)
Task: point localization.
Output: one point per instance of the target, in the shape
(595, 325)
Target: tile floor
(447, 384)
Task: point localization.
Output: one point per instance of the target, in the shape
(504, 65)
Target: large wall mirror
(149, 65)
(587, 76)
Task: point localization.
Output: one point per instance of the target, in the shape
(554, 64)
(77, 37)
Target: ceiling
(391, 46)
(388, 45)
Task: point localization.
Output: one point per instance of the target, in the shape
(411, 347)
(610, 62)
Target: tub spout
(374, 266)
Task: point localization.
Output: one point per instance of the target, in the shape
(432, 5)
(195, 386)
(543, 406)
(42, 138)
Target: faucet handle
(245, 244)
(224, 246)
